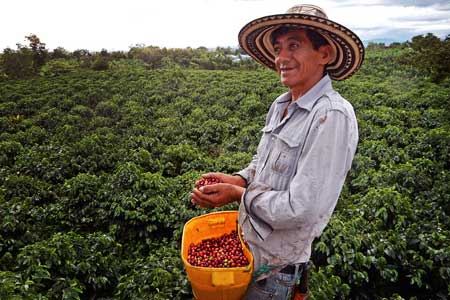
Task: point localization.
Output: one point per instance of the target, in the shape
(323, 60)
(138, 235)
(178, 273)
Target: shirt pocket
(284, 159)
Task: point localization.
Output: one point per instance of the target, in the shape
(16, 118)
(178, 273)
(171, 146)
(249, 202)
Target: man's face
(299, 65)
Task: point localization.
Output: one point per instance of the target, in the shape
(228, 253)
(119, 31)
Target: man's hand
(216, 195)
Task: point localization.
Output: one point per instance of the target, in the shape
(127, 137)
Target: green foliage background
(96, 165)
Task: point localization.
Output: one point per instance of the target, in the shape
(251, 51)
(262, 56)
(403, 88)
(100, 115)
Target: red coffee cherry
(207, 181)
(222, 252)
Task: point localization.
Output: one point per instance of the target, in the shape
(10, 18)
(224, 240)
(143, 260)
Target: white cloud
(119, 24)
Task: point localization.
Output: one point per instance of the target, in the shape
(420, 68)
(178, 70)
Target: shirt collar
(286, 97)
(307, 100)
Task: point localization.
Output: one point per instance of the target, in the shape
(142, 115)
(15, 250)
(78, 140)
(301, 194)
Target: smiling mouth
(286, 69)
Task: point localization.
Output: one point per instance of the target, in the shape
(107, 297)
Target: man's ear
(326, 54)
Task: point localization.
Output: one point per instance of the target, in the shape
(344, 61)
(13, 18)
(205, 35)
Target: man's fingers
(218, 175)
(198, 195)
(208, 175)
(195, 199)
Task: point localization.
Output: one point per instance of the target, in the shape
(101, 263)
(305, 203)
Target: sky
(117, 25)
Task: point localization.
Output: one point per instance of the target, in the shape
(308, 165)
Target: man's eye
(276, 50)
(294, 46)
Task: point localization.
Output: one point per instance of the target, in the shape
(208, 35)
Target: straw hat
(254, 38)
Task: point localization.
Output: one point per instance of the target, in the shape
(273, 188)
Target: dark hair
(317, 40)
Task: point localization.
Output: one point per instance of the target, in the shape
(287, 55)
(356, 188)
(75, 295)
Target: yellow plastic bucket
(215, 283)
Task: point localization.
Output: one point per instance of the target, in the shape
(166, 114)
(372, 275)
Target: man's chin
(285, 81)
(284, 84)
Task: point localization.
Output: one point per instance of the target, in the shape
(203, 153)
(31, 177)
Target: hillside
(96, 167)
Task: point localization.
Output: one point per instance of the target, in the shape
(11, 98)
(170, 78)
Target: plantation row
(96, 168)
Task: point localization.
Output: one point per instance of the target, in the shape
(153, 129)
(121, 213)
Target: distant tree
(104, 53)
(115, 55)
(373, 45)
(59, 52)
(84, 57)
(17, 64)
(227, 50)
(40, 54)
(99, 61)
(151, 55)
(399, 45)
(431, 55)
(79, 53)
(100, 64)
(26, 61)
(425, 43)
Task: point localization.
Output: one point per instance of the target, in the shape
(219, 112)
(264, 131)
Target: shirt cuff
(245, 179)
(245, 174)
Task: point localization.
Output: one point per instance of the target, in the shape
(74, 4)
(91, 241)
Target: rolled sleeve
(320, 174)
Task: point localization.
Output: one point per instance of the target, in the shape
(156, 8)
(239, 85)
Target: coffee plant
(98, 158)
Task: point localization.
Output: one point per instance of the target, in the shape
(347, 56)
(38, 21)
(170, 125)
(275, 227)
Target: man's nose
(283, 55)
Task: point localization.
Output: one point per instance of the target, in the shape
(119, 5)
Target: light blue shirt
(297, 174)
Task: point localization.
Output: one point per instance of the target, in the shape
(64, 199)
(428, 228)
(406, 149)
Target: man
(288, 192)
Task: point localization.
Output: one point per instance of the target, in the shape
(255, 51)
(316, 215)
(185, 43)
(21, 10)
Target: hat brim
(254, 39)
